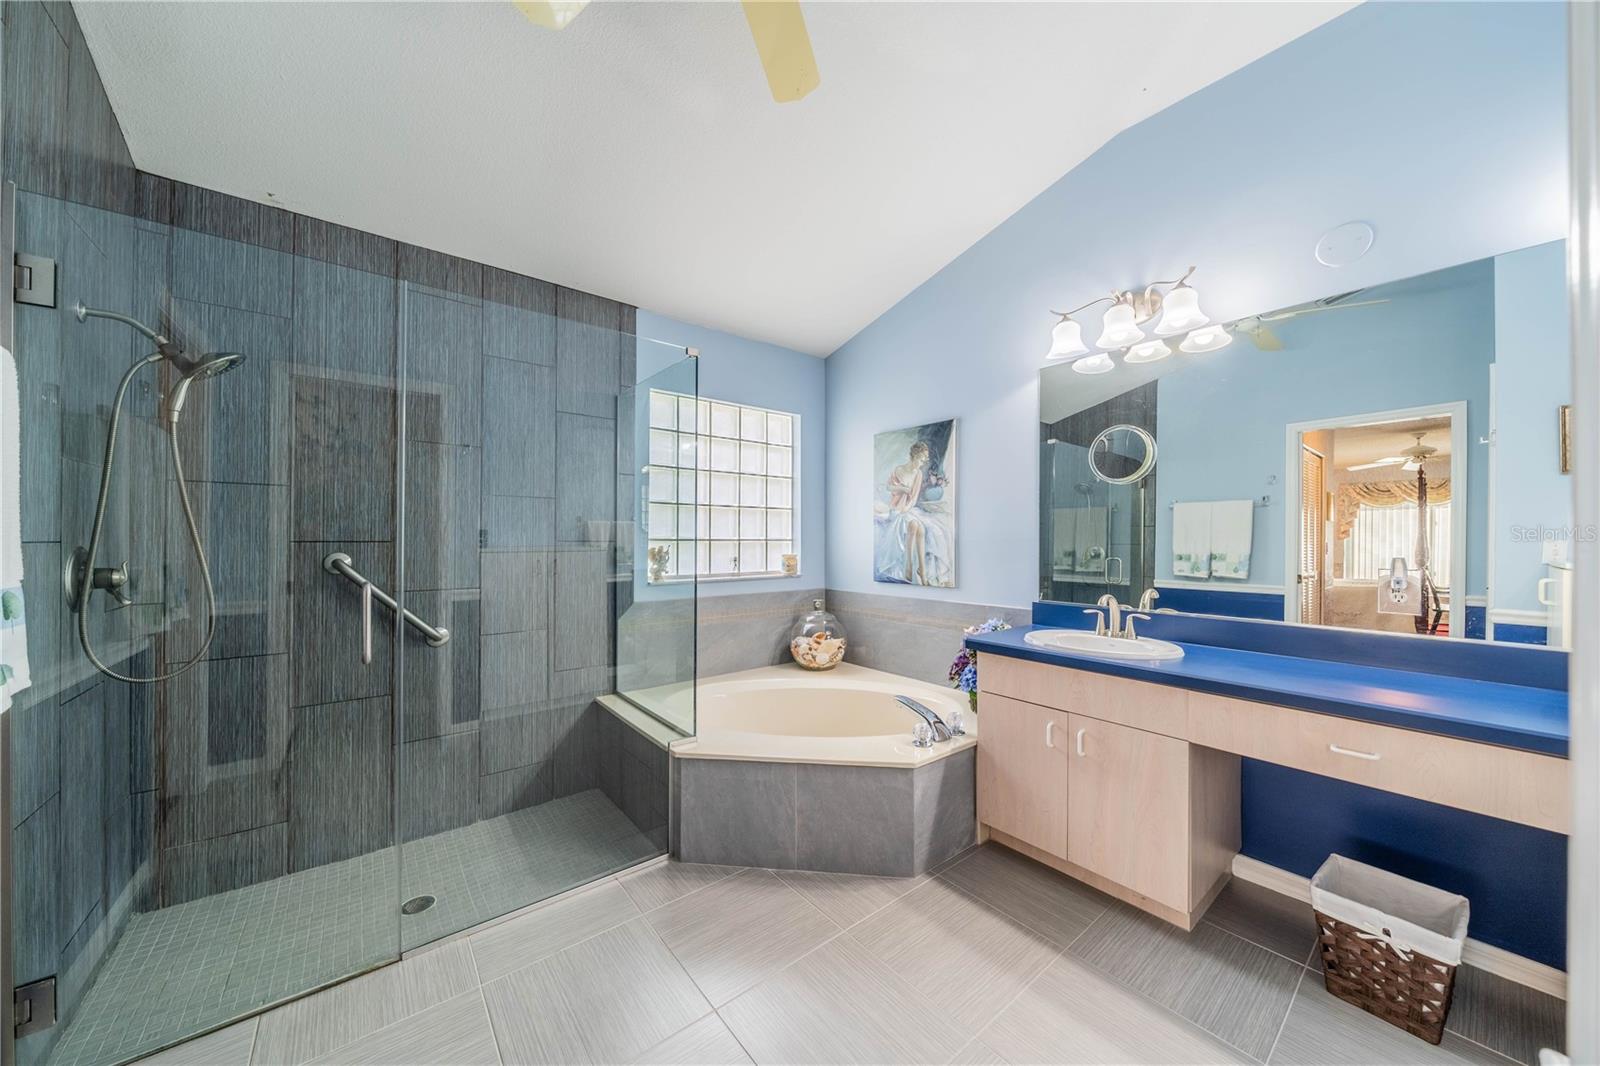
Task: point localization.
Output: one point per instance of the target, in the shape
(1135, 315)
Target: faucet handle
(1099, 621)
(1127, 623)
(922, 736)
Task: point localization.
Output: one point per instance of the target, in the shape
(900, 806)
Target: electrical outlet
(1555, 552)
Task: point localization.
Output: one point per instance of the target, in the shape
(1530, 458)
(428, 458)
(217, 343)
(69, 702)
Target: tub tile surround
(965, 965)
(842, 819)
(911, 636)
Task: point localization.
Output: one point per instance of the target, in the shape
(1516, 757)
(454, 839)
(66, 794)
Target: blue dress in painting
(913, 543)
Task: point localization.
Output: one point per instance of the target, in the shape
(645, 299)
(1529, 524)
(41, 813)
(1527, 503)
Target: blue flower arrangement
(964, 671)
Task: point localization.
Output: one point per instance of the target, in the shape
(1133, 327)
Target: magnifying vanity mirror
(1388, 459)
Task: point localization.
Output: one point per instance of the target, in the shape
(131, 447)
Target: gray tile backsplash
(910, 636)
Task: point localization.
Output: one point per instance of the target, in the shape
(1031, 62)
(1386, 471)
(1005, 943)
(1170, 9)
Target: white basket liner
(1408, 915)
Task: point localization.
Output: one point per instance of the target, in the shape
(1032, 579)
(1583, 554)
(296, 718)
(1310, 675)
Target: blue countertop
(1513, 716)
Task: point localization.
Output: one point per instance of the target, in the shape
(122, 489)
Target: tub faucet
(941, 731)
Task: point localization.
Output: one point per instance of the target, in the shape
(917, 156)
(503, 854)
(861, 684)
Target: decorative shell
(820, 651)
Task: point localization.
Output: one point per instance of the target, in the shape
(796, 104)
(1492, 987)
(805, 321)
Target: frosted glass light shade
(1148, 351)
(1066, 341)
(1180, 312)
(1206, 339)
(1095, 364)
(1119, 329)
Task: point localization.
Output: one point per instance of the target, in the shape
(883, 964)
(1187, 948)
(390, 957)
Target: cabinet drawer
(1518, 786)
(1137, 704)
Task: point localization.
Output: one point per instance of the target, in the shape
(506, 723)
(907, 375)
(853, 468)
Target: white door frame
(1457, 414)
(1583, 749)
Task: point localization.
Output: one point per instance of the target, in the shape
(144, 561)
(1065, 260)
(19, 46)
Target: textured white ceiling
(638, 155)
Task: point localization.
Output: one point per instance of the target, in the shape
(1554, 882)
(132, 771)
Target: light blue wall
(1431, 344)
(744, 371)
(1533, 377)
(1443, 125)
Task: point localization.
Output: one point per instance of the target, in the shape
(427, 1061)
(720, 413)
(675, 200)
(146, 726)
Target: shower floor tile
(196, 965)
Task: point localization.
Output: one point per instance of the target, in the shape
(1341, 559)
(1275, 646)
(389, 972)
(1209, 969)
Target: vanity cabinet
(1023, 772)
(1085, 777)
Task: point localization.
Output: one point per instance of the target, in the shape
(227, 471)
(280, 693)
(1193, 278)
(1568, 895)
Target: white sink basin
(1080, 643)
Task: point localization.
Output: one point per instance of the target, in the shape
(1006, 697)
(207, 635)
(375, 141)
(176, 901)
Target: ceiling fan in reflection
(1410, 459)
(778, 27)
(1262, 336)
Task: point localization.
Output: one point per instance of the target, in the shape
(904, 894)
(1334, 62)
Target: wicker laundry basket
(1389, 945)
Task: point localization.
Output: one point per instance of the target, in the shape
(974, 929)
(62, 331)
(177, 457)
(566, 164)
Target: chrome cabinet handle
(1049, 734)
(366, 623)
(1371, 756)
(1079, 743)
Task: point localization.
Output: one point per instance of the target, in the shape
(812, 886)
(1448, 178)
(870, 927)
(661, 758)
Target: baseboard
(1487, 957)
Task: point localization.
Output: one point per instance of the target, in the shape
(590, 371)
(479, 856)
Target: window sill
(711, 579)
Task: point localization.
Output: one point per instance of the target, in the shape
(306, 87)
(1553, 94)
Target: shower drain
(416, 904)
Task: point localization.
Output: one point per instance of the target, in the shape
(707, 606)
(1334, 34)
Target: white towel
(1091, 540)
(13, 616)
(1191, 540)
(1232, 522)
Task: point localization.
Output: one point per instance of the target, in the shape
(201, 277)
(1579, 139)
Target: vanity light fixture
(1177, 303)
(1121, 326)
(1206, 339)
(1148, 351)
(1180, 310)
(1066, 340)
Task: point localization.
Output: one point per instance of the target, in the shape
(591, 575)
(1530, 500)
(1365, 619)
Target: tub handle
(1049, 734)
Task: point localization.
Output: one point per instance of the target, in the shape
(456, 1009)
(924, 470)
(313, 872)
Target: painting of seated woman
(914, 505)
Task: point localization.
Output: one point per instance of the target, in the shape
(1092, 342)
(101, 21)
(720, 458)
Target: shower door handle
(366, 623)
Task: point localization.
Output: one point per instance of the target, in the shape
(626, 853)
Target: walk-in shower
(82, 577)
(364, 649)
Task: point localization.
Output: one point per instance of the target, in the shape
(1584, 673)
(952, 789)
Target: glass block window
(722, 495)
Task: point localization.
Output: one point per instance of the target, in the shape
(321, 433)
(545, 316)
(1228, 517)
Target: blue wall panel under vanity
(1515, 876)
(1208, 599)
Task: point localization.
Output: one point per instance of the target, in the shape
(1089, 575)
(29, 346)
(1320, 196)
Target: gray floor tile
(1233, 989)
(1048, 902)
(1262, 916)
(1510, 1018)
(1073, 1014)
(527, 938)
(668, 881)
(225, 1047)
(977, 1053)
(308, 1028)
(607, 999)
(739, 932)
(1322, 1028)
(453, 1033)
(706, 1041)
(840, 1005)
(848, 898)
(950, 941)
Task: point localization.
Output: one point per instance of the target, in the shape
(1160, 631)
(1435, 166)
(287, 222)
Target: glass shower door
(188, 850)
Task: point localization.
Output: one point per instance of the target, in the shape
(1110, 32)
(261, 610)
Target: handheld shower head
(193, 369)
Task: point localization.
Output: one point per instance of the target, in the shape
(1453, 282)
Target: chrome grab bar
(339, 563)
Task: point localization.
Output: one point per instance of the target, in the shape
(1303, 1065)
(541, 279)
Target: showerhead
(194, 369)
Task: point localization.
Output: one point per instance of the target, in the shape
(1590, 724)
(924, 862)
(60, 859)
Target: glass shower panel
(665, 495)
(512, 783)
(1096, 537)
(190, 850)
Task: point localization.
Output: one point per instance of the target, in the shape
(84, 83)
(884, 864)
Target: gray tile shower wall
(276, 752)
(911, 637)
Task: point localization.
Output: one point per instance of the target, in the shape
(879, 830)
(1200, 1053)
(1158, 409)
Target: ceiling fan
(778, 27)
(1255, 326)
(1410, 459)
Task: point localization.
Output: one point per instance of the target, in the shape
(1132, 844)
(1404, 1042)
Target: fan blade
(1386, 461)
(551, 14)
(779, 29)
(1264, 339)
(1298, 311)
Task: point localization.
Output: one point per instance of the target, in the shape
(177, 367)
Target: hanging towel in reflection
(1231, 525)
(1090, 542)
(1191, 540)
(13, 618)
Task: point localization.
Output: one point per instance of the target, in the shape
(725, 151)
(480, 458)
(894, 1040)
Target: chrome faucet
(1147, 602)
(1119, 618)
(941, 731)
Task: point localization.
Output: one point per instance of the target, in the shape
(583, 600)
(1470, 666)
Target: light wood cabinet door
(1023, 760)
(1128, 808)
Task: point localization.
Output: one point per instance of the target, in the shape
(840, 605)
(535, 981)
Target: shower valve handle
(112, 579)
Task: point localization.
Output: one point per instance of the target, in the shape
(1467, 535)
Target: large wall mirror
(1388, 459)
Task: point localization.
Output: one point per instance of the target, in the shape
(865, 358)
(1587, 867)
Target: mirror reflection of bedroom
(1377, 530)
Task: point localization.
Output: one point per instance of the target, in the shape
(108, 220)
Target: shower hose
(87, 577)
